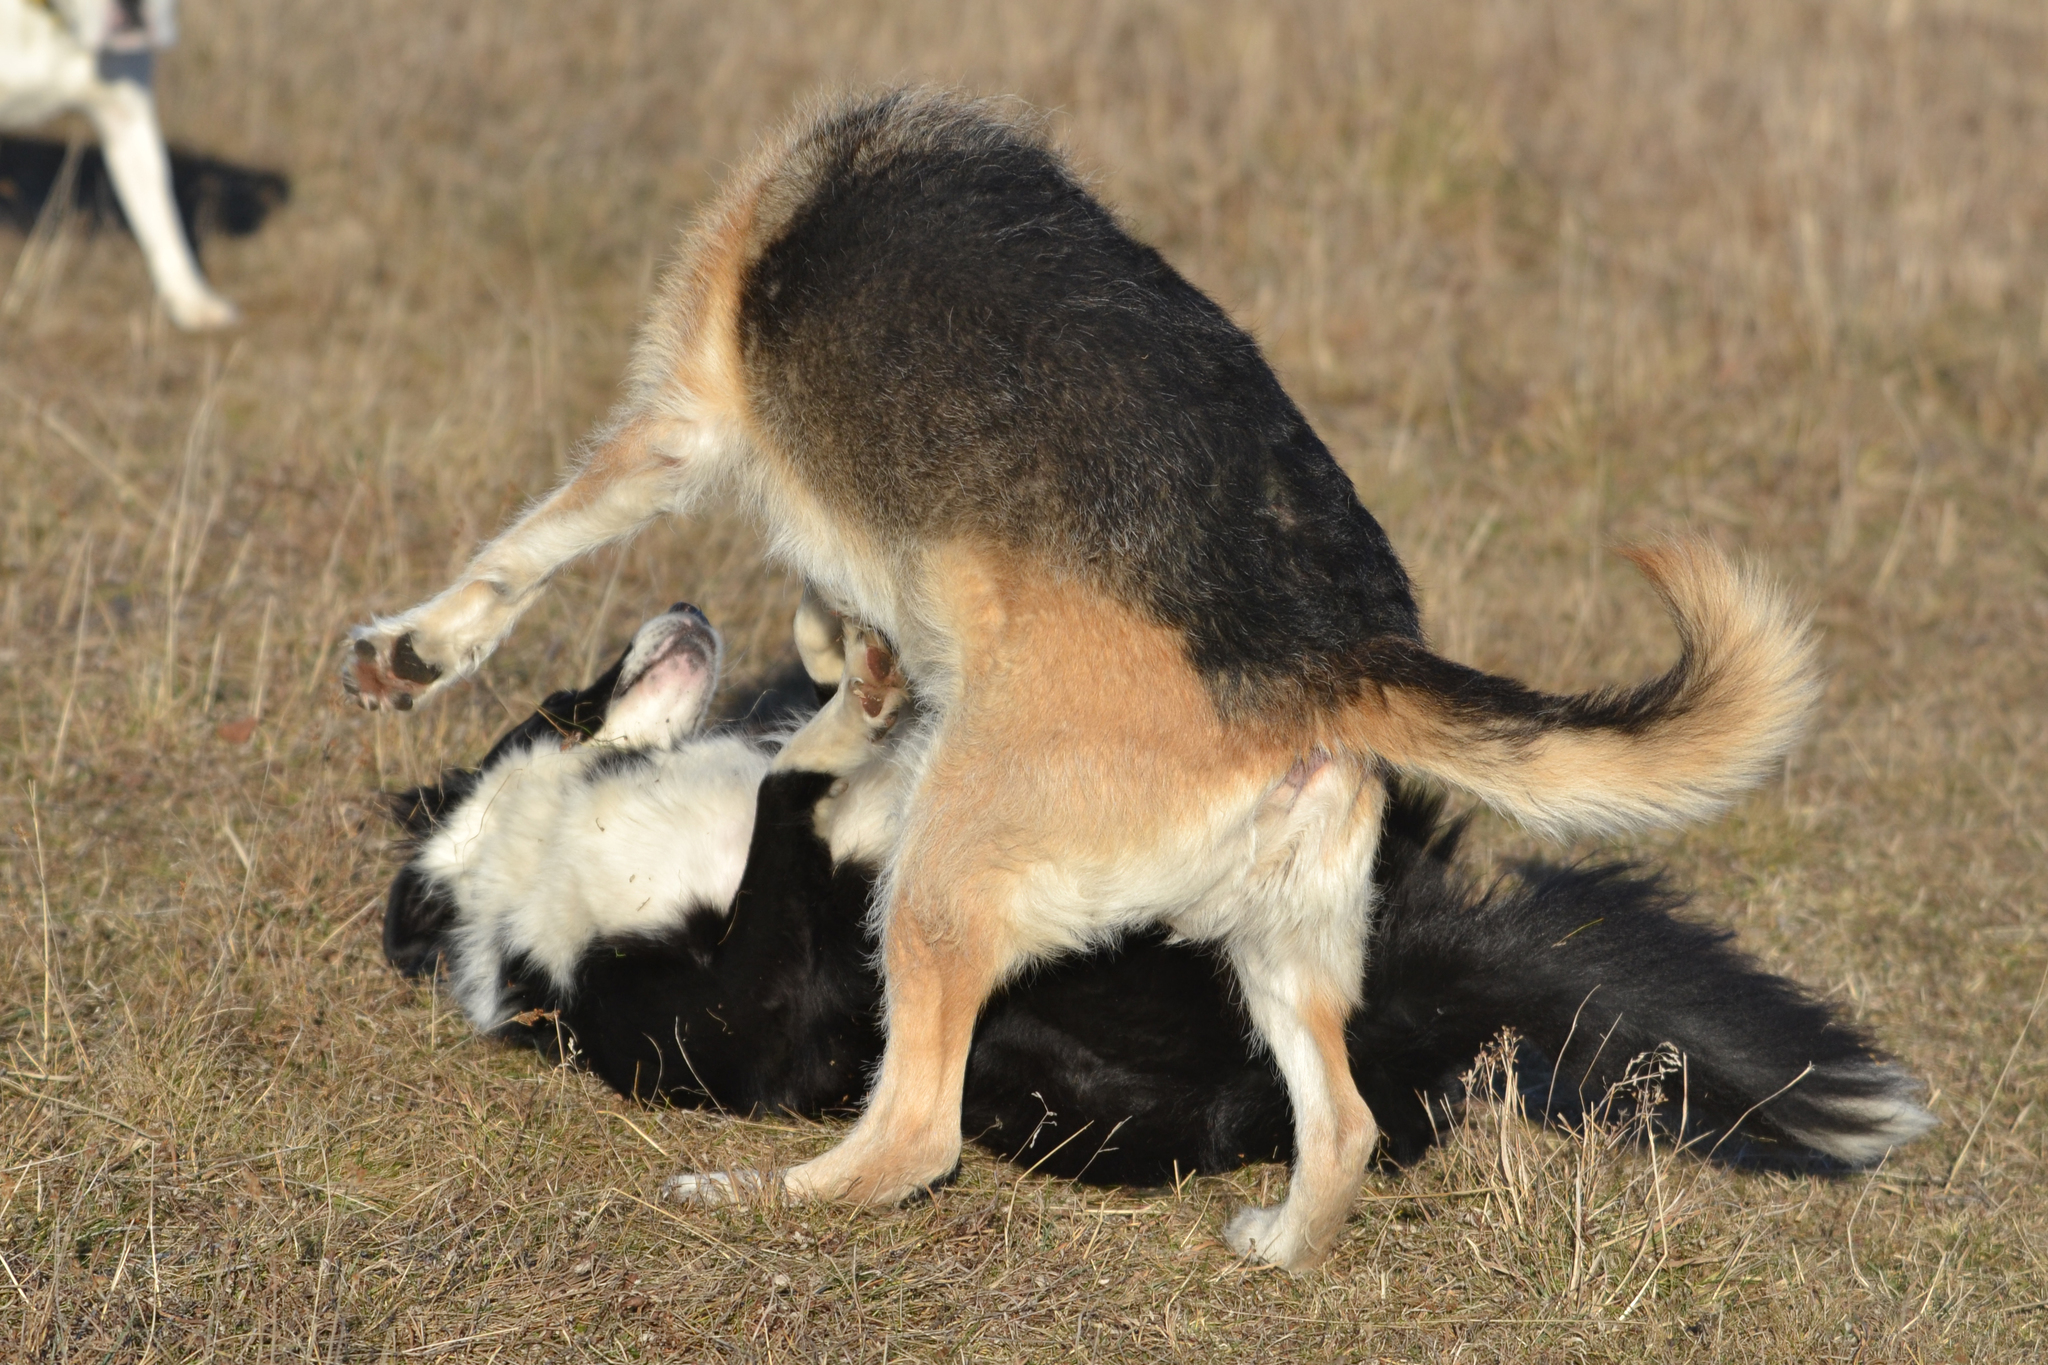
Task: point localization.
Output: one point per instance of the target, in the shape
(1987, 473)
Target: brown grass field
(1548, 274)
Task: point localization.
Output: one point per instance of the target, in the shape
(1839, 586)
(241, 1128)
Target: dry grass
(1549, 275)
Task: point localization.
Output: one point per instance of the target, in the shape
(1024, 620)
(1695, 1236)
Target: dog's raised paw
(385, 670)
(877, 682)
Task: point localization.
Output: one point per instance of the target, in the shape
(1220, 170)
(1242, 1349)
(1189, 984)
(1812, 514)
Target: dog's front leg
(948, 939)
(125, 116)
(941, 963)
(640, 471)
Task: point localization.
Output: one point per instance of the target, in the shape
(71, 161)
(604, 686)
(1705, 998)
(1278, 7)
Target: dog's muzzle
(681, 636)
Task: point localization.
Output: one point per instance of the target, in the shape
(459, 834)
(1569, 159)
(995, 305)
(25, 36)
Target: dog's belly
(1180, 876)
(1265, 861)
(1081, 759)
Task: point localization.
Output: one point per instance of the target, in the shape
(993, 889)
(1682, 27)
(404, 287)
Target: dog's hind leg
(1300, 1008)
(641, 469)
(1300, 959)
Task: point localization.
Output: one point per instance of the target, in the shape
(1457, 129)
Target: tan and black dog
(1165, 661)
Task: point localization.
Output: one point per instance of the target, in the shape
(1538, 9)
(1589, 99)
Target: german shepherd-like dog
(594, 888)
(1167, 665)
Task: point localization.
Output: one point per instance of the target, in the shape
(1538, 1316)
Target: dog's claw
(877, 683)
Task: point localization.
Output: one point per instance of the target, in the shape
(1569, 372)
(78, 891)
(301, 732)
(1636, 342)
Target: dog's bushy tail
(1591, 967)
(1668, 751)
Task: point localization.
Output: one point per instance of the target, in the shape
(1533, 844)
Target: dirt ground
(1548, 275)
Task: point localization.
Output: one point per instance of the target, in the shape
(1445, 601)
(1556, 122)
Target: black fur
(212, 195)
(955, 338)
(1133, 1062)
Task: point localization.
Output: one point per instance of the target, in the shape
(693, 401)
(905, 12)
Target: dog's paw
(203, 311)
(717, 1189)
(1262, 1236)
(877, 684)
(384, 669)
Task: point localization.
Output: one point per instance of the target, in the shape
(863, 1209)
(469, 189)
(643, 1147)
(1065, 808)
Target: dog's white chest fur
(558, 848)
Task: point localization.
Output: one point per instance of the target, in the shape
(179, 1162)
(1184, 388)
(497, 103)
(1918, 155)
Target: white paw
(202, 312)
(1262, 1236)
(714, 1189)
(875, 682)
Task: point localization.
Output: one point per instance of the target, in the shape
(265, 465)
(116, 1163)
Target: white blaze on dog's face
(666, 683)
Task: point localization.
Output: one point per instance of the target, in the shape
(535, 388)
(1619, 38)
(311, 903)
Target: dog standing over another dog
(595, 887)
(1166, 664)
(94, 57)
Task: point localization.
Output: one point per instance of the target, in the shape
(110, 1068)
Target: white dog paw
(714, 1189)
(202, 313)
(1263, 1237)
(877, 684)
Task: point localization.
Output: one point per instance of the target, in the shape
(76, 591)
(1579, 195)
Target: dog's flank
(978, 415)
(1138, 1051)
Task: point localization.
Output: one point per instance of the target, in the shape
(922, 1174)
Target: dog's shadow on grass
(214, 196)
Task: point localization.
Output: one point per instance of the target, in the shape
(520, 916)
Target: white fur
(1881, 1122)
(555, 848)
(49, 66)
(543, 859)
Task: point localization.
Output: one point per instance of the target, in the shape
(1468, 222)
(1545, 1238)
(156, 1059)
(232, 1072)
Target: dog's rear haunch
(1166, 661)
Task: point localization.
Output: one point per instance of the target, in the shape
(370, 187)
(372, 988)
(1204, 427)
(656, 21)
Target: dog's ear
(566, 715)
(415, 918)
(418, 810)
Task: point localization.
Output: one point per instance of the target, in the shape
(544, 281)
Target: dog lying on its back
(615, 876)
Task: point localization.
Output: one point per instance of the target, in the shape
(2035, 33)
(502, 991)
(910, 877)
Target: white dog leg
(125, 116)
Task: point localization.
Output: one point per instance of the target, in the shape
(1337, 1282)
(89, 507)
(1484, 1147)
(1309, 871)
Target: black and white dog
(666, 898)
(94, 57)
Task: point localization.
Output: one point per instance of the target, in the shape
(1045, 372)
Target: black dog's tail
(1591, 968)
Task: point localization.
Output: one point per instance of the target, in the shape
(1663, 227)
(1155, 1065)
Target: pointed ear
(818, 640)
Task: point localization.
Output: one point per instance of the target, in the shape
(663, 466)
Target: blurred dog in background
(97, 58)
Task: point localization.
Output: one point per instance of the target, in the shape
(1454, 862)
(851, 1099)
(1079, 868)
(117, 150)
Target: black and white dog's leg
(820, 642)
(61, 58)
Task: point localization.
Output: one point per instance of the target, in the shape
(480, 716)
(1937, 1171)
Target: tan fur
(1069, 774)
(1753, 682)
(1032, 772)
